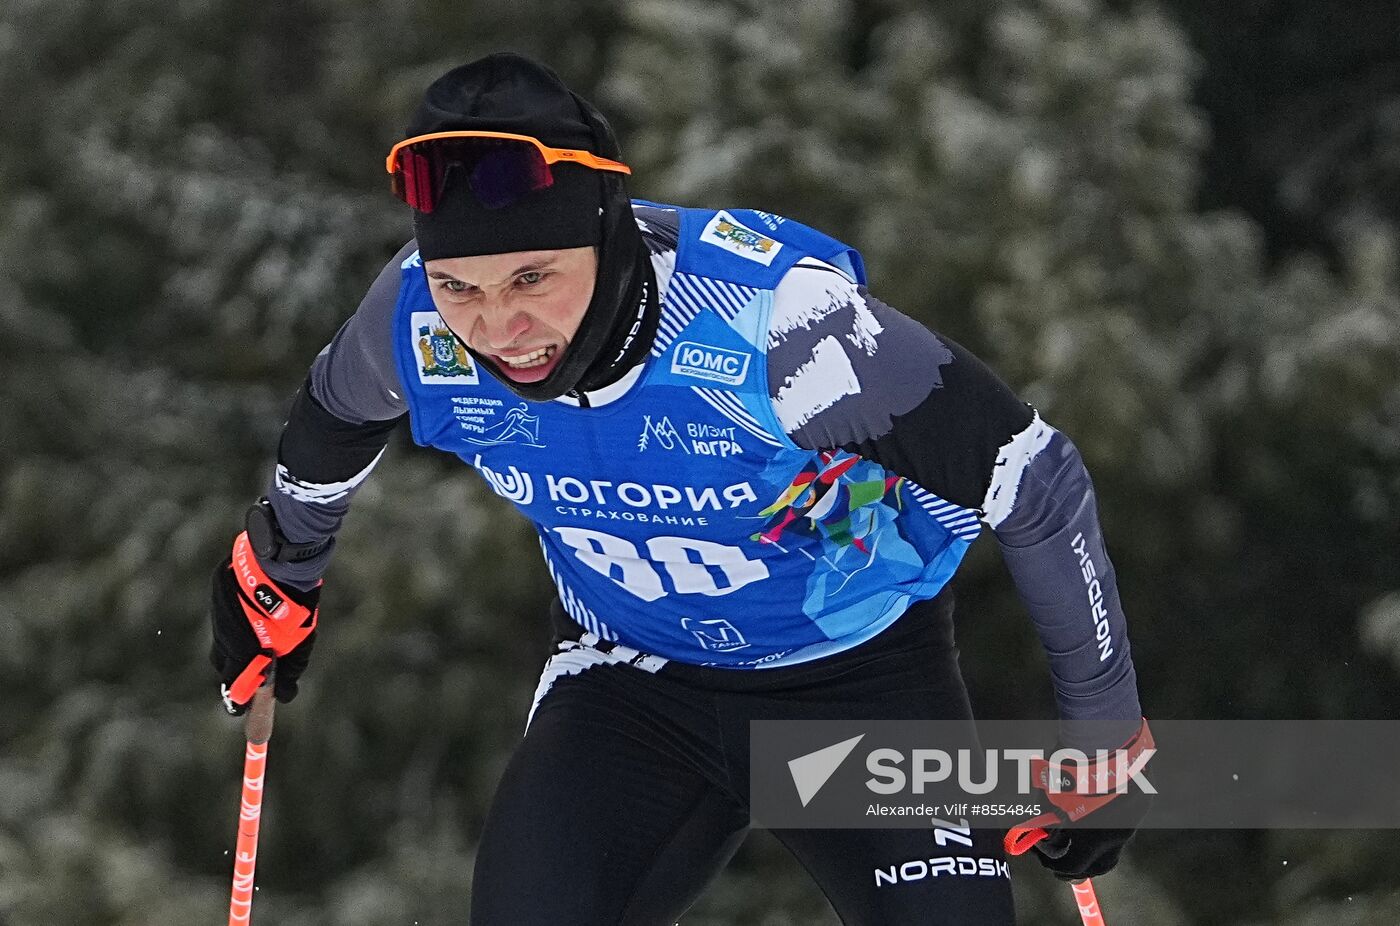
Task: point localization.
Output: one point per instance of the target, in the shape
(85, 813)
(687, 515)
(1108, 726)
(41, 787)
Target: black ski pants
(629, 791)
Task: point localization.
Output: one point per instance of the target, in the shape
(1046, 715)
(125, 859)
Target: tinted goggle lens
(497, 171)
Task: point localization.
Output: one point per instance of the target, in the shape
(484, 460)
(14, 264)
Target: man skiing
(752, 482)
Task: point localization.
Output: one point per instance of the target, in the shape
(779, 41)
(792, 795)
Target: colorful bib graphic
(849, 504)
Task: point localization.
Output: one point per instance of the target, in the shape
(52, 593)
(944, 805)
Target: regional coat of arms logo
(441, 356)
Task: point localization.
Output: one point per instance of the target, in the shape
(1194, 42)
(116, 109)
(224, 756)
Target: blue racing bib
(679, 519)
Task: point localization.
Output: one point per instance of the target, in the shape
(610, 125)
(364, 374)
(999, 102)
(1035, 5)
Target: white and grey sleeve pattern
(847, 371)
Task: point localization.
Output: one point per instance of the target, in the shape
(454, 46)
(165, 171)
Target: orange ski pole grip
(249, 680)
(257, 731)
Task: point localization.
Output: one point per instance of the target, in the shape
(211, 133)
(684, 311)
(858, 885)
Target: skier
(785, 551)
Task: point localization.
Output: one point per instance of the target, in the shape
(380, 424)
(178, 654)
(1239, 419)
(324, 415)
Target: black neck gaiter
(633, 333)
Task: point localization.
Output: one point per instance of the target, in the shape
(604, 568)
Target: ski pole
(1020, 839)
(1088, 903)
(257, 730)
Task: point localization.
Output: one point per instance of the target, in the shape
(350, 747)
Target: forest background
(1172, 227)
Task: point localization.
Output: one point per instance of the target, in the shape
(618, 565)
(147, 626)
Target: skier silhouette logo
(518, 427)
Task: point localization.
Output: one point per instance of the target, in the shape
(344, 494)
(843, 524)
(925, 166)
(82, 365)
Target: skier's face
(520, 309)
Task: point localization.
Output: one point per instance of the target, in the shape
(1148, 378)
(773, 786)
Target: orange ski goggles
(499, 167)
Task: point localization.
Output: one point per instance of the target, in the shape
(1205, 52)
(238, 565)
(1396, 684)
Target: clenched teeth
(532, 359)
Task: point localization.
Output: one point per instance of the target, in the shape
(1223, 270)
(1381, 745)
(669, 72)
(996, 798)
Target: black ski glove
(254, 621)
(1072, 851)
(1075, 853)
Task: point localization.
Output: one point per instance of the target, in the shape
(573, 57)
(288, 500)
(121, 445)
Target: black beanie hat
(510, 93)
(506, 92)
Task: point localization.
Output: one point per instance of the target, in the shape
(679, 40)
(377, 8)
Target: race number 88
(693, 566)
